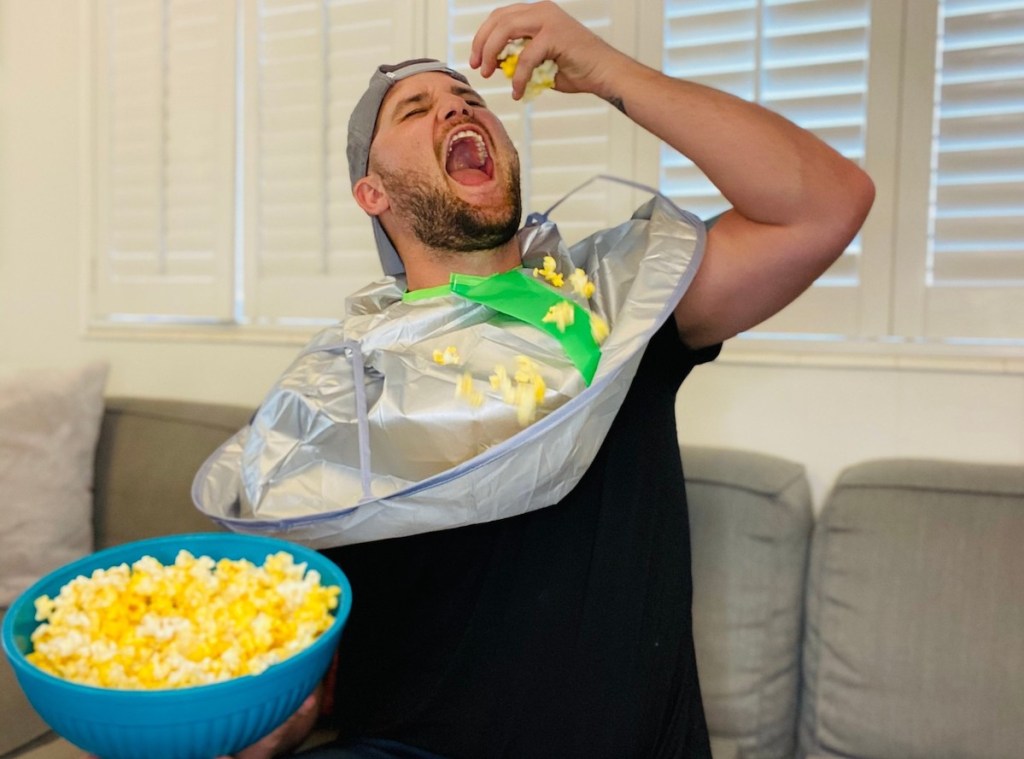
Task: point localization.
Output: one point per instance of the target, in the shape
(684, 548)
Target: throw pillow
(49, 423)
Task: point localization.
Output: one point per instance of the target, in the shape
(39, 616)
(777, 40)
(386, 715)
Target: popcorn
(581, 285)
(530, 389)
(449, 355)
(526, 388)
(561, 315)
(194, 622)
(501, 382)
(543, 77)
(464, 389)
(598, 328)
(549, 272)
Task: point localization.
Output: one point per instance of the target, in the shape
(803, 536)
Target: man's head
(431, 164)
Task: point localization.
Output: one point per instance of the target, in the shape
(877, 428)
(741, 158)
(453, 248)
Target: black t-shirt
(563, 632)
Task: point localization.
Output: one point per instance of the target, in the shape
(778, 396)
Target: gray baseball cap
(361, 125)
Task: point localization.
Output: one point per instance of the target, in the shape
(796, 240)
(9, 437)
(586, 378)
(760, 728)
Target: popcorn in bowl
(186, 722)
(194, 622)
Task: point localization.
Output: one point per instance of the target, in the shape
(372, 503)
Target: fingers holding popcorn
(584, 61)
(542, 77)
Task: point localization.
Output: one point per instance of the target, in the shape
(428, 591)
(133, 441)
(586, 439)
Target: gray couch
(891, 626)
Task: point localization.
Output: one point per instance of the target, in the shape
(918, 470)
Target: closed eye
(414, 112)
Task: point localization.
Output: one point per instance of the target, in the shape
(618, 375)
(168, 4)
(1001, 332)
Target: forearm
(796, 203)
(770, 171)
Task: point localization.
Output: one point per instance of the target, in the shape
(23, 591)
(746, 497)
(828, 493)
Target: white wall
(830, 417)
(825, 416)
(42, 226)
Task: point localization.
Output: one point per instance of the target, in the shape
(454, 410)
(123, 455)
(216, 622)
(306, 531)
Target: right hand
(586, 63)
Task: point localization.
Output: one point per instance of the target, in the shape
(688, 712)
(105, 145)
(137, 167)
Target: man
(564, 632)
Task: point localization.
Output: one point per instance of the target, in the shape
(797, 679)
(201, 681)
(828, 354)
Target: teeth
(481, 147)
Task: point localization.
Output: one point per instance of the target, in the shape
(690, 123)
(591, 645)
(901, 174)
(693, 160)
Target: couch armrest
(750, 527)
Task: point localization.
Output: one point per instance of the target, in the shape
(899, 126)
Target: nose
(453, 107)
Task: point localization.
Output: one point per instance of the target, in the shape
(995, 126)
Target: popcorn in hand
(543, 77)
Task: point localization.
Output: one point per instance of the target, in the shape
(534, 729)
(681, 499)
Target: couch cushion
(751, 518)
(146, 458)
(149, 452)
(49, 421)
(913, 644)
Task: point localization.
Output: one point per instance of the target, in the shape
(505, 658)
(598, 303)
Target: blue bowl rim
(75, 569)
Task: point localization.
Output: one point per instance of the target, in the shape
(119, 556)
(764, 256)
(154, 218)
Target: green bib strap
(517, 294)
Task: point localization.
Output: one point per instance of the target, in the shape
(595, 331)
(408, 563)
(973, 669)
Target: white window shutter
(307, 244)
(975, 258)
(805, 59)
(164, 160)
(563, 140)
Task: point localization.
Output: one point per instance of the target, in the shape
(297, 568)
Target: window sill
(881, 355)
(235, 334)
(744, 350)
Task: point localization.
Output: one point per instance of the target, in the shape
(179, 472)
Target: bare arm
(796, 203)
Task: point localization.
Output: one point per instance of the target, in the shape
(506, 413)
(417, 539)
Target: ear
(370, 195)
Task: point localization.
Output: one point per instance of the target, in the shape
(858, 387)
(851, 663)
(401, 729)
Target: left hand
(289, 735)
(585, 61)
(284, 738)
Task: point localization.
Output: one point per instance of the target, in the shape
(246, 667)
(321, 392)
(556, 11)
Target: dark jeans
(371, 748)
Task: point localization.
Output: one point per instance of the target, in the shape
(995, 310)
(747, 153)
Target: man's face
(449, 168)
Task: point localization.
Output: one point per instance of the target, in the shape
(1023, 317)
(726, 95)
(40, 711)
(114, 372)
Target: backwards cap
(360, 134)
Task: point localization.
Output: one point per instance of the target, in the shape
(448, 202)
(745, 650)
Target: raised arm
(796, 203)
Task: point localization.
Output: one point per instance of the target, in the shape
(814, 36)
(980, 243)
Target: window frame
(881, 333)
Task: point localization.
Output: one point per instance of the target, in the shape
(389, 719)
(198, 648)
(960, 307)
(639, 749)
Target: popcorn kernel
(581, 285)
(598, 328)
(448, 356)
(561, 315)
(465, 389)
(549, 272)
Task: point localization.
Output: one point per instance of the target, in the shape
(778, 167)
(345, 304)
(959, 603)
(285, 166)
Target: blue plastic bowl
(186, 723)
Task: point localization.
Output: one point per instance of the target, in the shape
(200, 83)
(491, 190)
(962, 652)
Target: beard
(444, 222)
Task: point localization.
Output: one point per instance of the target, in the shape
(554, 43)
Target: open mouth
(468, 161)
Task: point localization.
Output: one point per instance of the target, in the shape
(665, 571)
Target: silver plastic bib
(364, 437)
